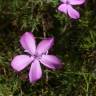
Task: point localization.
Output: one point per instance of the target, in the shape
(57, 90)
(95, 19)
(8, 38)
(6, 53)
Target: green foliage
(75, 44)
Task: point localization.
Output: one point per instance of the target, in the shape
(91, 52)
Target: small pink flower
(67, 8)
(36, 56)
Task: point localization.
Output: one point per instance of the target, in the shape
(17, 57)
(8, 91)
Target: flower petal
(73, 13)
(35, 72)
(28, 42)
(51, 61)
(76, 2)
(20, 62)
(45, 45)
(63, 8)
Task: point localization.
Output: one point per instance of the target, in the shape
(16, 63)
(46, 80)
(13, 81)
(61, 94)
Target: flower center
(67, 2)
(36, 56)
(39, 56)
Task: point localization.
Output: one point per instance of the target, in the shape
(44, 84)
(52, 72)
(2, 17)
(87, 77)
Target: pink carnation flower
(36, 56)
(67, 7)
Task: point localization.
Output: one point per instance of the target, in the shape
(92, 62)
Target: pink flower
(67, 8)
(36, 56)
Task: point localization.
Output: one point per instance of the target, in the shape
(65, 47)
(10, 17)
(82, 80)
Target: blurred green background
(75, 44)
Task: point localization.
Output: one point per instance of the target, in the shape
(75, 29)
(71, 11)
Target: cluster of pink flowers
(36, 55)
